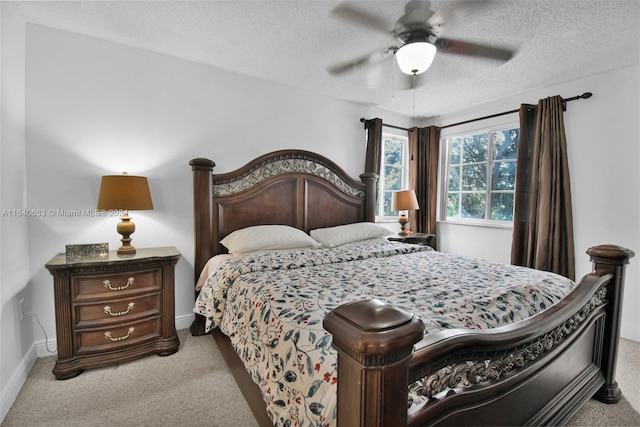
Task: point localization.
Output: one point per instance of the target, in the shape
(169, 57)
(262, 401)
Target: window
(480, 182)
(394, 172)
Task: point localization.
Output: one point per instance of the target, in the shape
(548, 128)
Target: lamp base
(403, 225)
(126, 227)
(126, 250)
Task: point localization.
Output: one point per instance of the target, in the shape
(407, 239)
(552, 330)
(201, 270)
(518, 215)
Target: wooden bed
(538, 371)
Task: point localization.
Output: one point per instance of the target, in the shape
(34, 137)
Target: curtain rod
(585, 95)
(363, 120)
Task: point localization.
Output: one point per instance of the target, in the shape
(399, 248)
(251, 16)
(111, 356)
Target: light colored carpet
(191, 387)
(194, 387)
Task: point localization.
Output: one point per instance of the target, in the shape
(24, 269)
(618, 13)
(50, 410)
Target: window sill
(386, 220)
(478, 223)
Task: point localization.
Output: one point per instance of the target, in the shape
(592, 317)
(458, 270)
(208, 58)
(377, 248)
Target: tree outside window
(481, 175)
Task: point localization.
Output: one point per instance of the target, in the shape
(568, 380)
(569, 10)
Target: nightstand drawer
(113, 285)
(116, 311)
(117, 336)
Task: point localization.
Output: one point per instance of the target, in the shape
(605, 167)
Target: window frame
(403, 139)
(499, 124)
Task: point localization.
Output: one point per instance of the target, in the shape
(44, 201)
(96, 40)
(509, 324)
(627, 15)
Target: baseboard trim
(630, 332)
(12, 389)
(184, 321)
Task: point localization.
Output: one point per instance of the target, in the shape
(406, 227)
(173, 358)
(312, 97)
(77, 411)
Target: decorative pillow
(264, 237)
(335, 236)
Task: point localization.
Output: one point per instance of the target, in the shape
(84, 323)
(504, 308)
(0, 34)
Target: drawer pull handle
(107, 284)
(107, 310)
(108, 336)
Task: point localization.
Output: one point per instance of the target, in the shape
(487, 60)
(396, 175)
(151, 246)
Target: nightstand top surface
(411, 235)
(60, 260)
(414, 238)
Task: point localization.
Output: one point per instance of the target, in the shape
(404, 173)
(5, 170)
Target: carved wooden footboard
(538, 371)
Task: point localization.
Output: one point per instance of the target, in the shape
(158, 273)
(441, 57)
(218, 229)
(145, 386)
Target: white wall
(15, 337)
(604, 150)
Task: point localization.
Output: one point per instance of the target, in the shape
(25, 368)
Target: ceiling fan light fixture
(416, 57)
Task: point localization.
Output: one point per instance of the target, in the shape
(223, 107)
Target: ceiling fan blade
(452, 13)
(360, 62)
(460, 47)
(358, 17)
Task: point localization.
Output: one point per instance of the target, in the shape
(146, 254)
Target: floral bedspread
(272, 306)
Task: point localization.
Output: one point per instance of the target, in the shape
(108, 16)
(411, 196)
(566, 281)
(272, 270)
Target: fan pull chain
(414, 100)
(393, 75)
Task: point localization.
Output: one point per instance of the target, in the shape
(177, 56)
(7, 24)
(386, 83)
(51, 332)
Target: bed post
(612, 259)
(202, 203)
(374, 342)
(370, 180)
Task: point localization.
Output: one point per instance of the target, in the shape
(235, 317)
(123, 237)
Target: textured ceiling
(294, 42)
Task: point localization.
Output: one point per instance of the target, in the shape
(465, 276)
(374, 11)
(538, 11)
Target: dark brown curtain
(424, 150)
(374, 145)
(543, 219)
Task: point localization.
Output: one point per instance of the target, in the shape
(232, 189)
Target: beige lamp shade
(124, 191)
(404, 200)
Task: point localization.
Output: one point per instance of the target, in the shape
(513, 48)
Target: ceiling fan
(418, 34)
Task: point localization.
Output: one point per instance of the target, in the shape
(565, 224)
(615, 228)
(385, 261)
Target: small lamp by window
(125, 192)
(404, 200)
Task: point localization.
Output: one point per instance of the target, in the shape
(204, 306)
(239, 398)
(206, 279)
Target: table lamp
(125, 192)
(404, 200)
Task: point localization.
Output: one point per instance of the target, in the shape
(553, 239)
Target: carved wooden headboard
(288, 187)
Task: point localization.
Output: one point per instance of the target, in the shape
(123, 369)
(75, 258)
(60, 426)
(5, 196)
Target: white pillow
(263, 237)
(335, 236)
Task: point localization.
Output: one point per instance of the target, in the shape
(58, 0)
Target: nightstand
(113, 309)
(415, 238)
